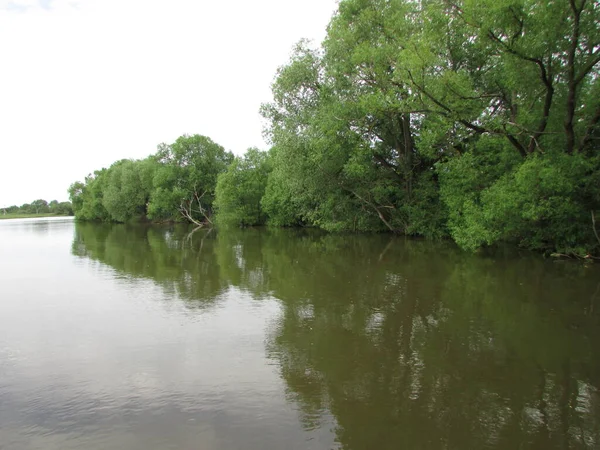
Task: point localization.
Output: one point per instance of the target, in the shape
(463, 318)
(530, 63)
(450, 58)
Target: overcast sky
(84, 83)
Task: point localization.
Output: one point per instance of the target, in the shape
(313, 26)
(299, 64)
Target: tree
(185, 180)
(39, 206)
(348, 127)
(76, 196)
(87, 197)
(416, 116)
(240, 190)
(61, 209)
(127, 189)
(511, 89)
(178, 182)
(474, 119)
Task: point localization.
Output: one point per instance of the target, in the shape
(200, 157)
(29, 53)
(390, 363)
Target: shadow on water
(182, 262)
(406, 343)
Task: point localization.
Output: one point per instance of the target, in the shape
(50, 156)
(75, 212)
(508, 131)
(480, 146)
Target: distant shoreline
(30, 216)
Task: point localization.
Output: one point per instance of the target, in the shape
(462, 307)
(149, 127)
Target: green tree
(39, 206)
(241, 188)
(87, 197)
(348, 126)
(417, 116)
(61, 209)
(515, 90)
(185, 180)
(65, 209)
(127, 189)
(26, 208)
(76, 196)
(474, 119)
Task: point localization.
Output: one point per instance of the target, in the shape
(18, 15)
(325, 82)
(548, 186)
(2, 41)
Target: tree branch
(588, 67)
(477, 128)
(546, 80)
(389, 165)
(186, 214)
(594, 227)
(202, 210)
(571, 80)
(545, 113)
(379, 213)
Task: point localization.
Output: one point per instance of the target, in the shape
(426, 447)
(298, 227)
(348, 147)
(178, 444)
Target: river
(152, 337)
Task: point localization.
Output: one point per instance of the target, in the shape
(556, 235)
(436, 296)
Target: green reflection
(181, 261)
(408, 344)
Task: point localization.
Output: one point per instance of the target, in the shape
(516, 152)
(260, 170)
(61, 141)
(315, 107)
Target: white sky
(84, 83)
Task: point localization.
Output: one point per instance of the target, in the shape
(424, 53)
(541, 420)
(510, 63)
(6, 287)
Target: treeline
(473, 120)
(40, 206)
(177, 183)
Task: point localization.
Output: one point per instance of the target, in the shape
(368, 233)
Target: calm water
(139, 337)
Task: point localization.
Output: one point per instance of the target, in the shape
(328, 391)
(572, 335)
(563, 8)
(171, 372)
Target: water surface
(152, 337)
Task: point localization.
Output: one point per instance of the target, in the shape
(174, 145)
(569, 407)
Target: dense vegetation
(37, 208)
(176, 183)
(477, 120)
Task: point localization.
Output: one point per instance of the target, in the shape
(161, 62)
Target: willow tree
(351, 127)
(477, 118)
(185, 181)
(512, 89)
(241, 188)
(366, 52)
(87, 197)
(127, 189)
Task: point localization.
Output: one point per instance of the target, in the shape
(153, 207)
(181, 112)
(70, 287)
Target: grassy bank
(28, 216)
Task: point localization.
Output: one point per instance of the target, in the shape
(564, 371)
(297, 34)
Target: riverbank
(30, 216)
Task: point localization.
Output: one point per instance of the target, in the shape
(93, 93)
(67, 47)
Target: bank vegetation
(471, 120)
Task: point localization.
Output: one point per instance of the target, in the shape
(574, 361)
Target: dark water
(139, 337)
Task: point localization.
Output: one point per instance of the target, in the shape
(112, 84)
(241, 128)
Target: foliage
(477, 120)
(60, 208)
(176, 183)
(240, 189)
(127, 190)
(186, 178)
(87, 197)
(38, 207)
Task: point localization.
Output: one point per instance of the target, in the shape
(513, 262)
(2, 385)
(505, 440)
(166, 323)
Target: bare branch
(379, 213)
(571, 79)
(477, 128)
(588, 68)
(544, 120)
(594, 227)
(547, 80)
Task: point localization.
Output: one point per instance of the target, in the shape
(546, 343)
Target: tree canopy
(175, 183)
(474, 120)
(240, 190)
(477, 120)
(38, 207)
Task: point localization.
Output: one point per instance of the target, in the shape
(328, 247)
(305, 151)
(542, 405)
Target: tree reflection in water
(406, 343)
